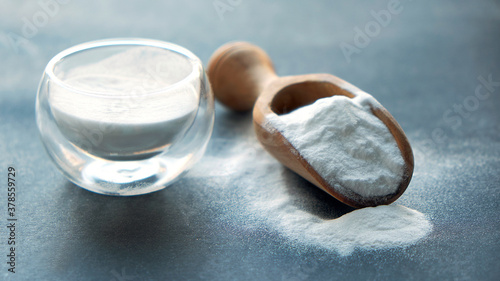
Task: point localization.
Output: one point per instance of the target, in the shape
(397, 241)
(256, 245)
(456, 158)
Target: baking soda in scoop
(346, 144)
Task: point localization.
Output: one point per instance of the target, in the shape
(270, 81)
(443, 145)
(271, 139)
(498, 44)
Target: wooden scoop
(242, 74)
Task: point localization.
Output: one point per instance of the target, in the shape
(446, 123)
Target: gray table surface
(427, 60)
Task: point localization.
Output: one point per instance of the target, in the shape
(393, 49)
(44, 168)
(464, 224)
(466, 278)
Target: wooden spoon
(242, 74)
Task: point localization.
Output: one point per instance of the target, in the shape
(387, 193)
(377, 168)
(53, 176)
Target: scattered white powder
(274, 199)
(346, 144)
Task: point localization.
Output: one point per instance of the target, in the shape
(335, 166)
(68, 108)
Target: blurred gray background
(423, 64)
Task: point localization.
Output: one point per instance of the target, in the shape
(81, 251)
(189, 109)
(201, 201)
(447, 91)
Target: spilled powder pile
(274, 200)
(346, 144)
(370, 228)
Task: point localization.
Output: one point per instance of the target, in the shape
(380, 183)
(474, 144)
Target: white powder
(346, 144)
(124, 110)
(369, 228)
(138, 75)
(275, 201)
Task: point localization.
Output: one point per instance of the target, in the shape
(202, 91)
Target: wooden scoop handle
(238, 73)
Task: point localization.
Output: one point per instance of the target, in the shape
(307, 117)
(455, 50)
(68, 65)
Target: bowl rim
(196, 71)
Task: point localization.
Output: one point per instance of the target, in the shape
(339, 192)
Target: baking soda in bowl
(134, 120)
(124, 116)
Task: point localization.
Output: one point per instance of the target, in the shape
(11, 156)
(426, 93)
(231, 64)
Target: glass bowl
(124, 116)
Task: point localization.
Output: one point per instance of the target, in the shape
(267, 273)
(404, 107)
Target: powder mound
(370, 228)
(346, 144)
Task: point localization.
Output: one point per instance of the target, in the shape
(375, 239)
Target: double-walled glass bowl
(124, 116)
